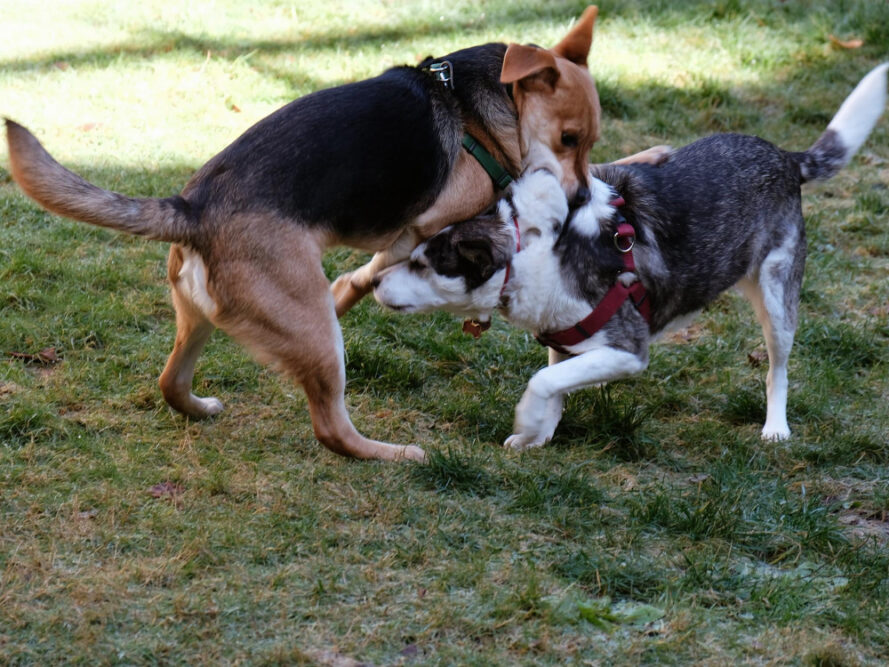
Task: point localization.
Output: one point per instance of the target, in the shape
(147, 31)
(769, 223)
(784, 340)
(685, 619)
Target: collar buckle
(443, 72)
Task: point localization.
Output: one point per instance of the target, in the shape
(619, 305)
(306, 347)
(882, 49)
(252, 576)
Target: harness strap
(624, 239)
(495, 170)
(443, 71)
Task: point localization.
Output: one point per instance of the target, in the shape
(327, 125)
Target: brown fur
(259, 277)
(554, 93)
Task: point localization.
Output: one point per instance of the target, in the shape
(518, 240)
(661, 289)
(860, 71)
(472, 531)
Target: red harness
(624, 240)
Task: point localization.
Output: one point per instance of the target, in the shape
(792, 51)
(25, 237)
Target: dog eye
(570, 139)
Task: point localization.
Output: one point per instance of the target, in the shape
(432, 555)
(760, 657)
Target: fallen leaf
(8, 388)
(45, 357)
(61, 64)
(757, 358)
(169, 489)
(236, 108)
(846, 44)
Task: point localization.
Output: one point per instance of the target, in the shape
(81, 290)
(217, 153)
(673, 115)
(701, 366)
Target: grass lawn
(656, 528)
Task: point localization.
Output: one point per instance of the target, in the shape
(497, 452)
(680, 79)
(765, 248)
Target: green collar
(498, 174)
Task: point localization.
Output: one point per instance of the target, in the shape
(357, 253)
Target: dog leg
(349, 288)
(316, 361)
(193, 329)
(774, 295)
(655, 155)
(286, 318)
(553, 413)
(192, 332)
(533, 417)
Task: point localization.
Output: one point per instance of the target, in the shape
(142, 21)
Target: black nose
(582, 197)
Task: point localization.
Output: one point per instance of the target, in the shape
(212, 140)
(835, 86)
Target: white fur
(765, 290)
(588, 219)
(539, 300)
(193, 283)
(408, 291)
(861, 110)
(538, 200)
(534, 421)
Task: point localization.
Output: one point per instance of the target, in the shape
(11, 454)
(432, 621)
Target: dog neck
(535, 297)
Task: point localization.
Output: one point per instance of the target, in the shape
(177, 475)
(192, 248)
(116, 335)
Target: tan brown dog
(376, 164)
(554, 99)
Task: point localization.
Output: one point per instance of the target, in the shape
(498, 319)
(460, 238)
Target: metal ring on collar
(617, 238)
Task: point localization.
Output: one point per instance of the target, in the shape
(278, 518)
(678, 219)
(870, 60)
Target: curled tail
(849, 128)
(63, 192)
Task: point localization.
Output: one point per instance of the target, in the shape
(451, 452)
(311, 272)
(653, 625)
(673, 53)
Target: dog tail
(63, 192)
(848, 129)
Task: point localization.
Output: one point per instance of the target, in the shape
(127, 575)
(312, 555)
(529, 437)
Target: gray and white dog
(652, 246)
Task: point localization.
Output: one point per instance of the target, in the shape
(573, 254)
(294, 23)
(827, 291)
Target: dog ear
(528, 65)
(576, 44)
(479, 254)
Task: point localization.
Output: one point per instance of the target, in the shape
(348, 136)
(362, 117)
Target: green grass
(656, 528)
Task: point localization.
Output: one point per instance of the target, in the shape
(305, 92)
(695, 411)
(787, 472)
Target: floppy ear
(529, 64)
(480, 255)
(576, 44)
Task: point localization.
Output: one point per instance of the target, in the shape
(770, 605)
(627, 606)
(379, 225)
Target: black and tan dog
(653, 246)
(376, 164)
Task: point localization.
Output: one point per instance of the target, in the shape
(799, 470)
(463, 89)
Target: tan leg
(351, 287)
(315, 359)
(193, 329)
(286, 317)
(655, 155)
(192, 333)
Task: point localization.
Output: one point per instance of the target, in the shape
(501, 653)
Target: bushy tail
(848, 129)
(65, 193)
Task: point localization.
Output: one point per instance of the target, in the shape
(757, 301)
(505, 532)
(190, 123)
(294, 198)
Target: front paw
(535, 421)
(522, 441)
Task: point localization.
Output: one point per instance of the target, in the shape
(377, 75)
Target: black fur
(473, 250)
(360, 159)
(824, 159)
(712, 211)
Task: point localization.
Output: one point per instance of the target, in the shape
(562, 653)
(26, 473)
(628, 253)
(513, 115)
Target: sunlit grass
(656, 493)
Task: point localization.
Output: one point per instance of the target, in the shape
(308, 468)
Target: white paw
(412, 453)
(209, 406)
(522, 441)
(530, 422)
(775, 433)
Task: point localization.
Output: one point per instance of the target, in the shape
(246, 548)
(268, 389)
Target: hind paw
(202, 408)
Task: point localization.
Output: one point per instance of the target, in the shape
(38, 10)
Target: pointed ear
(576, 44)
(523, 62)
